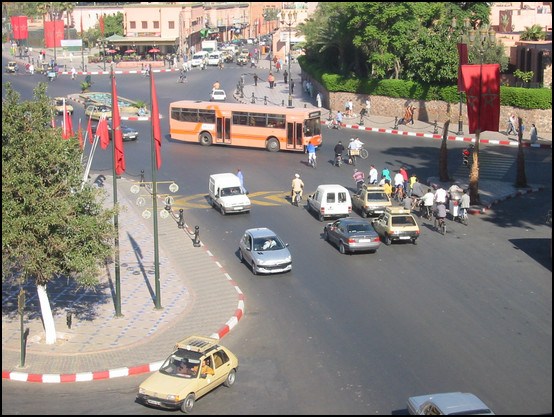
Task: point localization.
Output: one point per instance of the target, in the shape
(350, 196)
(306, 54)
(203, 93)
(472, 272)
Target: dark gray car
(264, 251)
(352, 235)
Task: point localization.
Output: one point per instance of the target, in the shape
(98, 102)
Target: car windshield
(268, 243)
(182, 364)
(377, 196)
(403, 221)
(225, 192)
(359, 228)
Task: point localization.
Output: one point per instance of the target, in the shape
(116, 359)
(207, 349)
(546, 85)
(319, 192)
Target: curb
(508, 197)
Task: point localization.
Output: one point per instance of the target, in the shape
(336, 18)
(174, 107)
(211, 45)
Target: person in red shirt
(359, 178)
(406, 179)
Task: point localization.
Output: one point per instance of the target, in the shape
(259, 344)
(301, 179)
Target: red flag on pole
(67, 131)
(156, 123)
(482, 87)
(81, 135)
(462, 53)
(81, 23)
(117, 135)
(89, 131)
(102, 24)
(102, 132)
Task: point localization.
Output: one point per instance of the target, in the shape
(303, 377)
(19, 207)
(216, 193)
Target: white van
(214, 58)
(330, 200)
(227, 195)
(199, 58)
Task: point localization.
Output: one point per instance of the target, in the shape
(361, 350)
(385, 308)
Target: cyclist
(427, 200)
(296, 187)
(398, 184)
(339, 149)
(311, 154)
(440, 214)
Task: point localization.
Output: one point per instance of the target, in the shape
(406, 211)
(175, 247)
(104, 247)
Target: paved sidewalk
(197, 297)
(98, 345)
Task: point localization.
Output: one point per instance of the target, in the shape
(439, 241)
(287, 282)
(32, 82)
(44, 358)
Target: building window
(133, 24)
(144, 24)
(156, 24)
(171, 24)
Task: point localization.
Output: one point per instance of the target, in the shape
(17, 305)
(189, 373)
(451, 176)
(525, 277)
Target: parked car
(97, 111)
(371, 200)
(128, 132)
(11, 67)
(218, 95)
(197, 366)
(448, 403)
(396, 224)
(58, 105)
(264, 251)
(352, 235)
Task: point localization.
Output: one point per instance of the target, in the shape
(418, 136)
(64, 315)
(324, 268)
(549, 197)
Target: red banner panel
(53, 33)
(19, 25)
(482, 87)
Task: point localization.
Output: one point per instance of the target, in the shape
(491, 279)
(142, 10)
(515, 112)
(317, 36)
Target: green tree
(533, 33)
(67, 7)
(50, 226)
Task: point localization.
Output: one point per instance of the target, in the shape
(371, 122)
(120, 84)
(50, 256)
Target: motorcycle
(338, 159)
(333, 125)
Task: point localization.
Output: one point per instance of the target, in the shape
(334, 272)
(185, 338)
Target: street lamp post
(289, 20)
(103, 43)
(460, 119)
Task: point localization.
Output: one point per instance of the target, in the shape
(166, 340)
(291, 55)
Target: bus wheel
(205, 139)
(272, 145)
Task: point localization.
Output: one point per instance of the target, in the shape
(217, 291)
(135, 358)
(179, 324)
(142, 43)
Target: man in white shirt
(372, 175)
(440, 195)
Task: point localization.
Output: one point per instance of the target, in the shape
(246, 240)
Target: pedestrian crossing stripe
(260, 198)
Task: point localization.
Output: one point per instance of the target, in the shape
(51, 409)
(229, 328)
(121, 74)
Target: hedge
(526, 98)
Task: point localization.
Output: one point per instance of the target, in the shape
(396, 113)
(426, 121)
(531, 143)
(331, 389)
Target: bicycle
(425, 211)
(312, 159)
(296, 197)
(463, 217)
(398, 194)
(442, 225)
(363, 153)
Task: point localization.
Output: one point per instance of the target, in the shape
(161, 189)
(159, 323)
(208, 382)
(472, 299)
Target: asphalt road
(340, 334)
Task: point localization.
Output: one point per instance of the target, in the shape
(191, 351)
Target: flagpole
(115, 218)
(158, 304)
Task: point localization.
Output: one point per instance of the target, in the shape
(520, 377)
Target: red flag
(117, 135)
(102, 133)
(81, 23)
(89, 131)
(462, 53)
(482, 87)
(102, 24)
(67, 123)
(81, 135)
(156, 123)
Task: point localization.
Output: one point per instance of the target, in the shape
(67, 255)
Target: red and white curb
(115, 72)
(436, 136)
(508, 197)
(135, 370)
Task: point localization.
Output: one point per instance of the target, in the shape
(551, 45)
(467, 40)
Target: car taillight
(351, 240)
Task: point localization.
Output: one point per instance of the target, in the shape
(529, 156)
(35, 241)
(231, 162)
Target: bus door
(294, 136)
(223, 130)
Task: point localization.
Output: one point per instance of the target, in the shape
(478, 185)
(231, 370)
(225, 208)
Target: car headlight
(142, 390)
(173, 398)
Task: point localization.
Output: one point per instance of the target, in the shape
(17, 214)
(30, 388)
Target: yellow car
(58, 105)
(11, 67)
(95, 112)
(197, 366)
(396, 224)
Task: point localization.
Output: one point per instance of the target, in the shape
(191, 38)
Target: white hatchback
(218, 95)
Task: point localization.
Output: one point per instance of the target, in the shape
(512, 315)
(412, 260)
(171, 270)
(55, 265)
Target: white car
(218, 95)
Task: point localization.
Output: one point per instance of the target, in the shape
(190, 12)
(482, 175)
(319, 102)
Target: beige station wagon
(371, 200)
(396, 224)
(197, 366)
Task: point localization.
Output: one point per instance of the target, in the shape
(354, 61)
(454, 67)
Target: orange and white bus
(272, 127)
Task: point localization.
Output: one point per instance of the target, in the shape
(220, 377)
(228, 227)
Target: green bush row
(526, 98)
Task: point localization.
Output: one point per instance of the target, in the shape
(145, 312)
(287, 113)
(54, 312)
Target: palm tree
(533, 33)
(67, 7)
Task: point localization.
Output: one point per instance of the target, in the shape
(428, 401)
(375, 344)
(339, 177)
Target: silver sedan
(352, 235)
(264, 251)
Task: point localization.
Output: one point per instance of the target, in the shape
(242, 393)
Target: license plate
(237, 208)
(365, 241)
(404, 237)
(153, 402)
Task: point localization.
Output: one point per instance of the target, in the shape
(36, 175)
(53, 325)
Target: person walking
(285, 76)
(255, 80)
(534, 135)
(182, 76)
(73, 73)
(291, 86)
(512, 122)
(271, 80)
(359, 178)
(372, 175)
(318, 99)
(241, 178)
